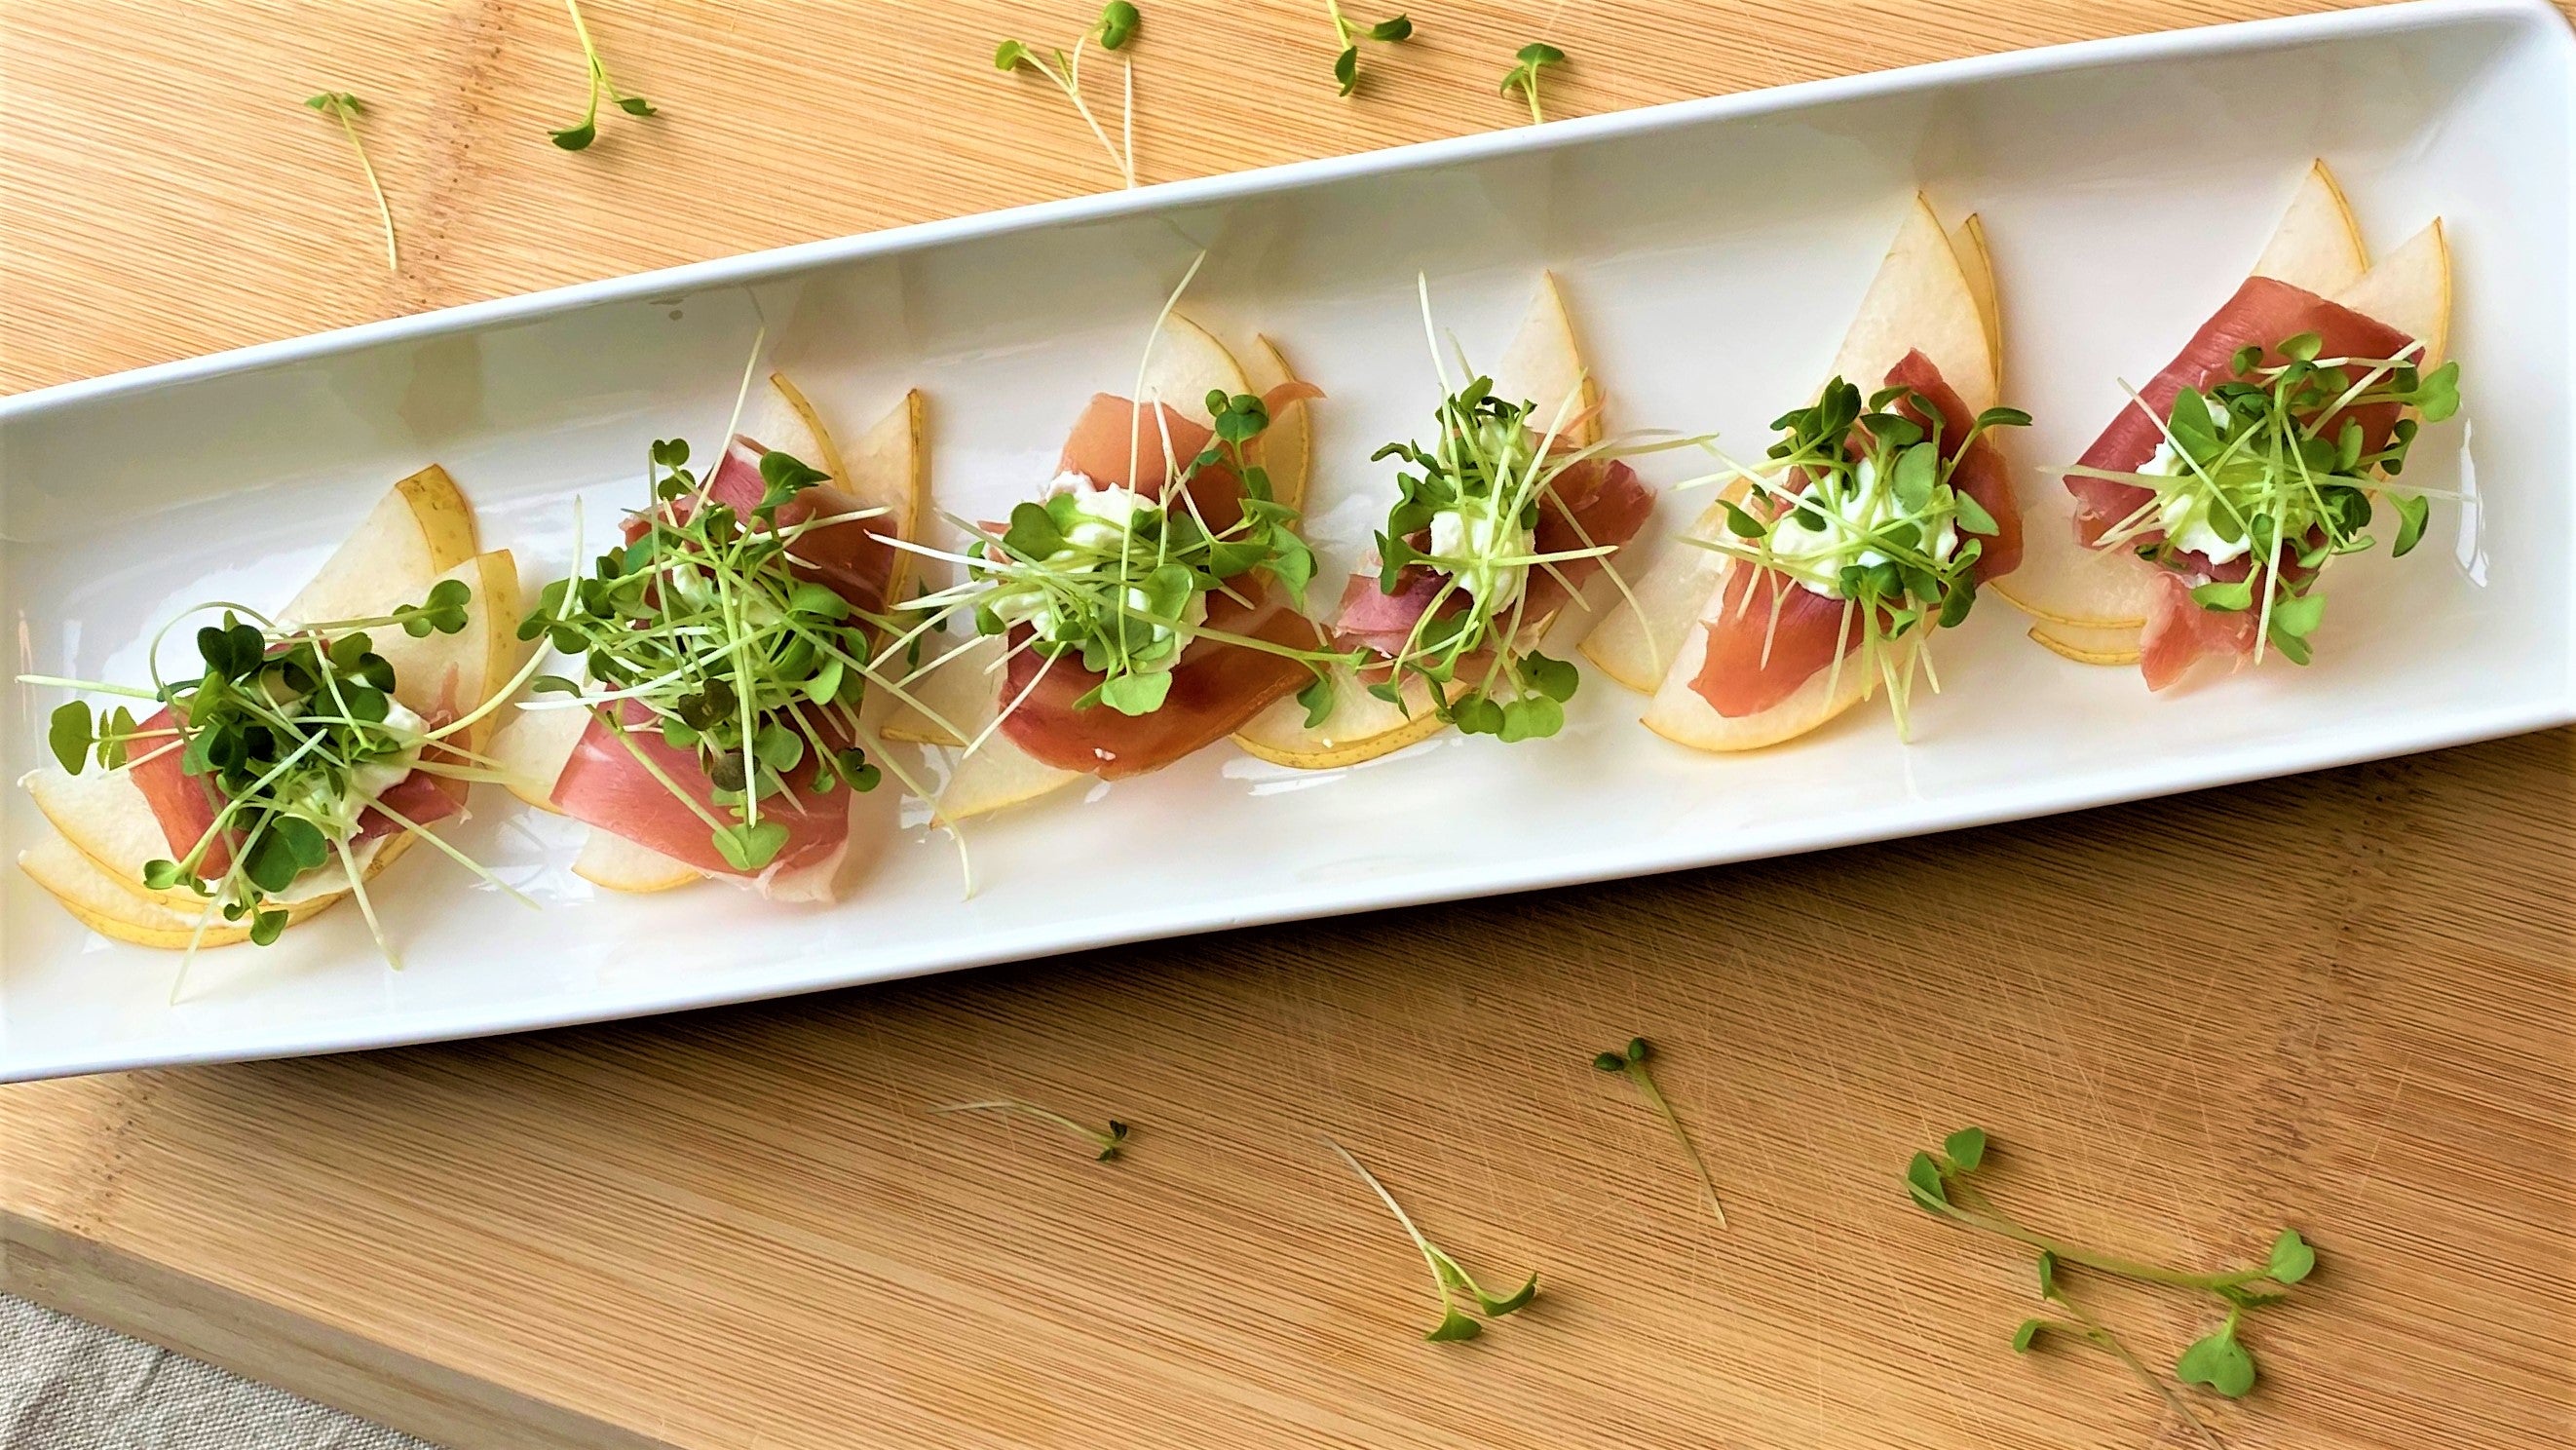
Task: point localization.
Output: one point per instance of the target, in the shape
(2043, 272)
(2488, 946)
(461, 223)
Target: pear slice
(2410, 290)
(1541, 365)
(618, 864)
(2082, 594)
(2087, 645)
(1923, 297)
(101, 903)
(1286, 449)
(420, 529)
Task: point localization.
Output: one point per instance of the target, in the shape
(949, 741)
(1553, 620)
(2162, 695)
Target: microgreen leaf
(2292, 1259)
(1523, 76)
(1448, 1277)
(577, 137)
(747, 847)
(1349, 33)
(2218, 1361)
(1136, 694)
(68, 733)
(2028, 1335)
(1317, 698)
(1118, 22)
(1966, 1149)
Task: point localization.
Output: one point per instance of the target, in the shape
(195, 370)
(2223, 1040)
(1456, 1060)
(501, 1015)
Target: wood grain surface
(2341, 1001)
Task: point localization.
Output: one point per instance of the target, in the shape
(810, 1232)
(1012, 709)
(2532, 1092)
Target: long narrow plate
(1712, 252)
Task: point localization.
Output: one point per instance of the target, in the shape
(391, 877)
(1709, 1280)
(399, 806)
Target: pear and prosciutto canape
(2206, 512)
(1817, 579)
(1148, 604)
(1516, 505)
(300, 755)
(725, 648)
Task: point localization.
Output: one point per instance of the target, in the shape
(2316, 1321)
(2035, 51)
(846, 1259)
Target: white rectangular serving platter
(1712, 252)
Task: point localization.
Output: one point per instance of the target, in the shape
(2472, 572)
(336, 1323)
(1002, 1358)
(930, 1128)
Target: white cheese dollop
(1472, 542)
(2185, 523)
(1103, 518)
(1812, 553)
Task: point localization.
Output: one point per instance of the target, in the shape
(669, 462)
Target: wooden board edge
(189, 1315)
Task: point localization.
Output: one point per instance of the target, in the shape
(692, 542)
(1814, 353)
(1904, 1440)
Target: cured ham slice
(2264, 312)
(1753, 663)
(186, 804)
(605, 785)
(1591, 503)
(1216, 687)
(851, 558)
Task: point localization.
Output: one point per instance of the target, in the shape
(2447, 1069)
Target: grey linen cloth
(68, 1385)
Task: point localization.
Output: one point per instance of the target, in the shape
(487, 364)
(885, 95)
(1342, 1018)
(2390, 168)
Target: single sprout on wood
(1630, 1061)
(578, 137)
(1448, 1279)
(1523, 76)
(1349, 33)
(1117, 25)
(345, 108)
(1108, 1142)
(1939, 1184)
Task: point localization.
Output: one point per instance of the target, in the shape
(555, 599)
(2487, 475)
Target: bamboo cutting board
(2341, 1001)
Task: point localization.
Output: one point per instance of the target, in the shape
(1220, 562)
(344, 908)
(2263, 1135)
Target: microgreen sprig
(578, 137)
(1448, 1278)
(1523, 76)
(1108, 1141)
(1117, 25)
(1348, 33)
(1859, 504)
(1939, 1183)
(1126, 596)
(1630, 1062)
(346, 108)
(2083, 1328)
(703, 622)
(2271, 465)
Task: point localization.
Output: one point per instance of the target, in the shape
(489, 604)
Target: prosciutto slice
(186, 805)
(2264, 312)
(1752, 665)
(850, 558)
(1216, 687)
(604, 785)
(1594, 502)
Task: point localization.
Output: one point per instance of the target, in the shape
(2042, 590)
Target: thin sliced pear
(1977, 264)
(2318, 245)
(2078, 593)
(886, 467)
(104, 816)
(1287, 447)
(618, 864)
(420, 529)
(2410, 290)
(1544, 365)
(1922, 298)
(1187, 364)
(532, 750)
(1637, 644)
(451, 675)
(964, 690)
(1541, 365)
(100, 902)
(2088, 646)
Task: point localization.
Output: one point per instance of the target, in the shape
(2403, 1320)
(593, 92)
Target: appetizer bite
(724, 649)
(1498, 523)
(1817, 579)
(1147, 603)
(2205, 515)
(299, 754)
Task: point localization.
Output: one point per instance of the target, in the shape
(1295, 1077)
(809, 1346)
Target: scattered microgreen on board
(1108, 1142)
(2272, 474)
(1527, 62)
(1448, 1279)
(1630, 1062)
(1348, 33)
(1941, 1183)
(577, 137)
(1117, 26)
(346, 108)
